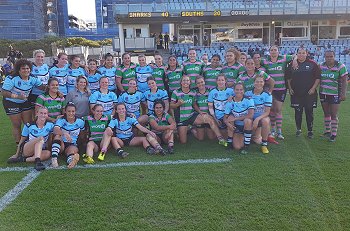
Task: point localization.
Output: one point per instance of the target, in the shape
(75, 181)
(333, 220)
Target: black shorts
(32, 99)
(279, 95)
(223, 124)
(307, 101)
(202, 126)
(127, 141)
(189, 121)
(330, 99)
(239, 129)
(98, 143)
(12, 108)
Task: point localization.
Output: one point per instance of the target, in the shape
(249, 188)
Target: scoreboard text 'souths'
(181, 14)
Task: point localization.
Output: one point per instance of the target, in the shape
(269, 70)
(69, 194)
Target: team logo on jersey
(126, 98)
(158, 95)
(70, 72)
(49, 101)
(36, 70)
(110, 97)
(216, 95)
(137, 98)
(227, 94)
(57, 71)
(99, 97)
(35, 132)
(149, 95)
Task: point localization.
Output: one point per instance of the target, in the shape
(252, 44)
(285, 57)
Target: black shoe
(171, 150)
(310, 134)
(39, 166)
(332, 138)
(14, 160)
(298, 133)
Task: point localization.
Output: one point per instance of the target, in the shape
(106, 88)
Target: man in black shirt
(302, 84)
(166, 40)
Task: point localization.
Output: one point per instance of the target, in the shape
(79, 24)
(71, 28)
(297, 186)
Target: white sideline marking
(14, 193)
(33, 174)
(126, 164)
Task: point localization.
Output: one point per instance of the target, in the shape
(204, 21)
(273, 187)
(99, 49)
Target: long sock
(229, 140)
(56, 148)
(247, 137)
(334, 127)
(120, 151)
(273, 121)
(327, 124)
(69, 158)
(279, 123)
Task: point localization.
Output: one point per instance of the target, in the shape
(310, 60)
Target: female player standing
(332, 91)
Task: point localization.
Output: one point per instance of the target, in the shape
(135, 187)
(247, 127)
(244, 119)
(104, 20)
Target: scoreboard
(166, 14)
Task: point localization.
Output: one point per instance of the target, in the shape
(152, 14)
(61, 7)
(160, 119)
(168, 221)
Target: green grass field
(301, 185)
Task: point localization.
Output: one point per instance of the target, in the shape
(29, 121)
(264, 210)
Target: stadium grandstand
(252, 26)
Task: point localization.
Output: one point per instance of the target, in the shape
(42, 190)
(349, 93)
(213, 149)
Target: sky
(84, 9)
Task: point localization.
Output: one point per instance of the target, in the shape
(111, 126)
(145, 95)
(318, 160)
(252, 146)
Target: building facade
(23, 19)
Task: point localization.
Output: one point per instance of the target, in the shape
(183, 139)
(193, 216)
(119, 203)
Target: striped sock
(247, 137)
(334, 124)
(264, 143)
(327, 124)
(279, 123)
(273, 121)
(56, 148)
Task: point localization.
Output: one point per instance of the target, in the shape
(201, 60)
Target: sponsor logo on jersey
(278, 68)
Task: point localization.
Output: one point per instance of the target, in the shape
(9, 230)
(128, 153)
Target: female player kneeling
(95, 125)
(67, 130)
(163, 125)
(239, 118)
(262, 102)
(120, 134)
(34, 141)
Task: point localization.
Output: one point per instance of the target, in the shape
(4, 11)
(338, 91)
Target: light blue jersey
(106, 100)
(132, 102)
(31, 130)
(94, 81)
(73, 74)
(142, 73)
(73, 129)
(110, 74)
(151, 97)
(260, 101)
(61, 75)
(42, 73)
(123, 130)
(16, 85)
(238, 109)
(219, 99)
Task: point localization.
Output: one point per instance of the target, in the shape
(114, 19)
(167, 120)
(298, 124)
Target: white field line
(33, 174)
(126, 164)
(13, 193)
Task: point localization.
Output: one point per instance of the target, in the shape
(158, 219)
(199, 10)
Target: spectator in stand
(166, 41)
(174, 39)
(160, 37)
